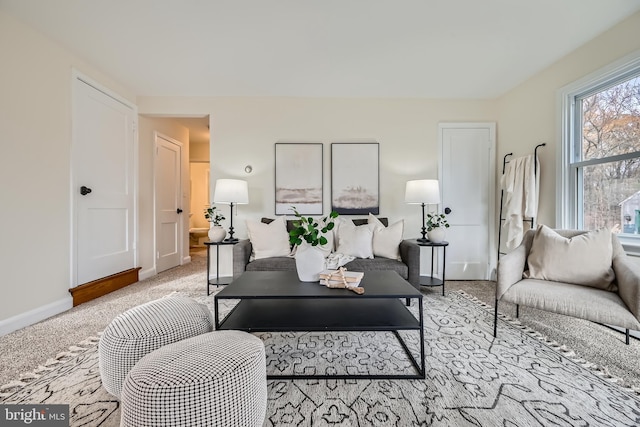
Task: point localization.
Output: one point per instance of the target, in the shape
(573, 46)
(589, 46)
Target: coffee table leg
(208, 268)
(215, 312)
(422, 363)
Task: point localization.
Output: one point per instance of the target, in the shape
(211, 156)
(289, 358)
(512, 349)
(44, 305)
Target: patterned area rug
(472, 379)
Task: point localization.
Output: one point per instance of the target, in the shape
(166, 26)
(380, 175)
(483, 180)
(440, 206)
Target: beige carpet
(23, 351)
(471, 378)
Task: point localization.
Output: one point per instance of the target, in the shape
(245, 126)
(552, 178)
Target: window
(600, 162)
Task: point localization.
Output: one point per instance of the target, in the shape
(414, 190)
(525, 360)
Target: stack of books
(335, 278)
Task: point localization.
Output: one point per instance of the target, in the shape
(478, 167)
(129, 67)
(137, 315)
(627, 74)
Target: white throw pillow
(354, 240)
(386, 240)
(583, 260)
(268, 240)
(328, 248)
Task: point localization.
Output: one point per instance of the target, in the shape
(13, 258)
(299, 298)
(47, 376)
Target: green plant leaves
(306, 229)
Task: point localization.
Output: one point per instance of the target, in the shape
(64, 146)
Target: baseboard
(145, 274)
(100, 287)
(36, 315)
(186, 260)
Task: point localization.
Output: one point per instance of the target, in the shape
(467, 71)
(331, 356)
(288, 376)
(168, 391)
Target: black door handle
(179, 210)
(447, 210)
(85, 190)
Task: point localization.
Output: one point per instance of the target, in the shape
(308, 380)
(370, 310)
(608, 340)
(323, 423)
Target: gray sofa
(408, 267)
(618, 306)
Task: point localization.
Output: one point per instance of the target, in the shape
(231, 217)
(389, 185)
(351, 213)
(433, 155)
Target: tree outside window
(607, 162)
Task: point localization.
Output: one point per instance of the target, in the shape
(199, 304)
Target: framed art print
(299, 178)
(355, 186)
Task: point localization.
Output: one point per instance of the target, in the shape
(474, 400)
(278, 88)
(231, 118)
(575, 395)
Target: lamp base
(423, 240)
(231, 240)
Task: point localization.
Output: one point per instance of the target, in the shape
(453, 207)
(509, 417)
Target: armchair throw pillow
(585, 259)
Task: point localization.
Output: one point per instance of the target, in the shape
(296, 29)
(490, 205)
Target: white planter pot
(216, 233)
(436, 235)
(309, 263)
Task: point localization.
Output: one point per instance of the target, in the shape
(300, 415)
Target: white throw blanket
(335, 260)
(520, 184)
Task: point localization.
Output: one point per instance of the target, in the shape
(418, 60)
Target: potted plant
(436, 223)
(216, 232)
(309, 233)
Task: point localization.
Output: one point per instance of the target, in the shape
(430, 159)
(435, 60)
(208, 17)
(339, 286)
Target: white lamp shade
(231, 191)
(420, 191)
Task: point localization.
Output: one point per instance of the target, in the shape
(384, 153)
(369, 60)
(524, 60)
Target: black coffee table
(276, 301)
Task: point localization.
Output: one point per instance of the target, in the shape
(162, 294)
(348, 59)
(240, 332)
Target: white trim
(77, 76)
(145, 274)
(36, 315)
(491, 126)
(565, 205)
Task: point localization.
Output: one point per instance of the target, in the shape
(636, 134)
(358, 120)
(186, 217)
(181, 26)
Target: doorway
(195, 178)
(104, 145)
(467, 176)
(168, 202)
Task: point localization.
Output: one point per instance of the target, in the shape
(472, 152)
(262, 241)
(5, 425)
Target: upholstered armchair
(572, 272)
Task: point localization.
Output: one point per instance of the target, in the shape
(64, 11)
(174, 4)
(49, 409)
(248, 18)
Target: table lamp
(231, 191)
(422, 192)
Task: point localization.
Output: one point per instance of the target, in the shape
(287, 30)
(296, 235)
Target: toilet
(197, 235)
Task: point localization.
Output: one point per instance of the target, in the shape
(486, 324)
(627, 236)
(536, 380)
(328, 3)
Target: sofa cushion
(272, 264)
(579, 301)
(268, 240)
(584, 259)
(378, 263)
(386, 240)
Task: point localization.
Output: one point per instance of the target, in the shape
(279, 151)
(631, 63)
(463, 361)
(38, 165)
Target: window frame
(568, 179)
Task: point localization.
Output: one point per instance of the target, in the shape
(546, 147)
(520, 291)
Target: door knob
(85, 190)
(447, 210)
(179, 210)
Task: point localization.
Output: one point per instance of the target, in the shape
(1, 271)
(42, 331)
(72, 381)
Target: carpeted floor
(23, 351)
(471, 378)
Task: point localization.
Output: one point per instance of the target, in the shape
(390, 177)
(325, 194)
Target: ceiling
(321, 48)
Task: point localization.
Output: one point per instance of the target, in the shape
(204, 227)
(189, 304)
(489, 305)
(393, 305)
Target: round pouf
(215, 379)
(145, 328)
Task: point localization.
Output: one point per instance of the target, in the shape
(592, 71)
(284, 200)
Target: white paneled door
(467, 174)
(104, 135)
(168, 202)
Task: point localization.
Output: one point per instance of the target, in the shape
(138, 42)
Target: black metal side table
(430, 280)
(218, 280)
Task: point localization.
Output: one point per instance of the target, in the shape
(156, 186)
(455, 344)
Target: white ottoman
(215, 379)
(145, 328)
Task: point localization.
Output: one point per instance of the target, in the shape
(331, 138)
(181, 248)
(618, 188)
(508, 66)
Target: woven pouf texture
(145, 328)
(215, 379)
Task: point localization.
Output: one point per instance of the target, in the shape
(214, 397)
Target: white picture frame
(355, 178)
(299, 178)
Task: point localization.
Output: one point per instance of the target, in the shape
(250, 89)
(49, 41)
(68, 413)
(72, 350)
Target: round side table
(430, 280)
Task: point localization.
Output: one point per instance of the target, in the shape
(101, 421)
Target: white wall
(244, 131)
(199, 151)
(199, 193)
(35, 136)
(529, 115)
